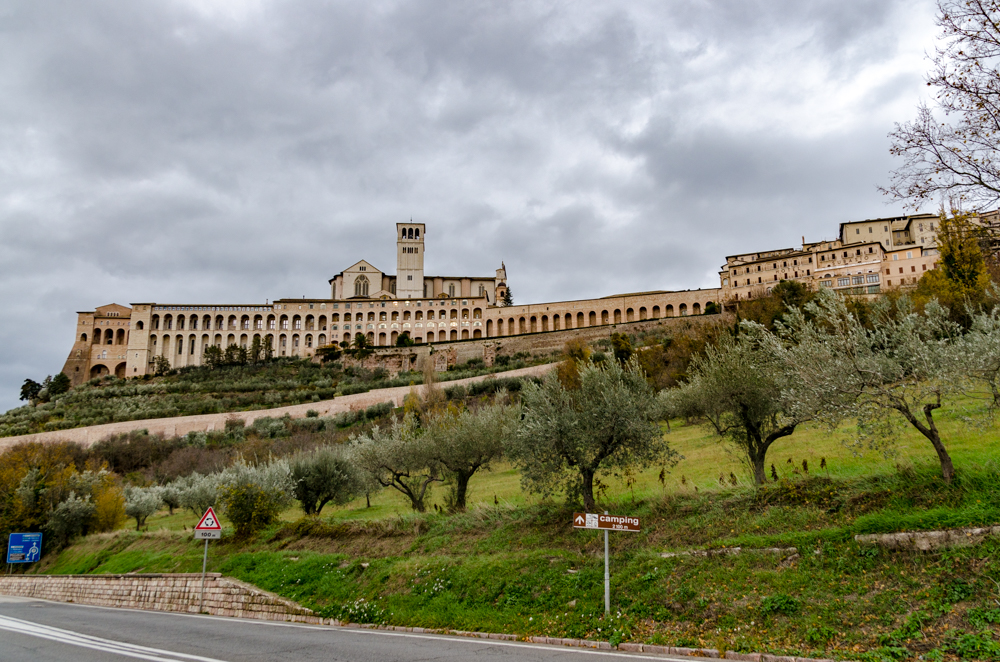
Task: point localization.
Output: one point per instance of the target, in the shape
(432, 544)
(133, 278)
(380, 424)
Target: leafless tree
(950, 150)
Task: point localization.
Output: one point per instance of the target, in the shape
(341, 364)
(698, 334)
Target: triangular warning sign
(209, 522)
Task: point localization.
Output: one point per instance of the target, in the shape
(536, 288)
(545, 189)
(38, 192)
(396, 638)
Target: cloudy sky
(233, 151)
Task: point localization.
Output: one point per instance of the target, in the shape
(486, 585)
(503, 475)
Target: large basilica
(124, 340)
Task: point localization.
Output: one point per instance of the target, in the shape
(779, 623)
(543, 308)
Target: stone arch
(99, 370)
(244, 340)
(465, 334)
(109, 337)
(83, 337)
(139, 325)
(683, 309)
(669, 310)
(168, 322)
(522, 325)
(454, 334)
(156, 322)
(545, 323)
(206, 322)
(696, 309)
(642, 313)
(656, 312)
(120, 337)
(180, 344)
(393, 337)
(382, 338)
(592, 318)
(477, 334)
(180, 322)
(489, 328)
(205, 341)
(120, 370)
(220, 322)
(618, 316)
(231, 324)
(629, 315)
(605, 318)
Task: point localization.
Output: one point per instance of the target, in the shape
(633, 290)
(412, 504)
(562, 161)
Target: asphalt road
(41, 631)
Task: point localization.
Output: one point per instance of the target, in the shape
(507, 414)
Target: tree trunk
(587, 490)
(930, 431)
(461, 489)
(759, 473)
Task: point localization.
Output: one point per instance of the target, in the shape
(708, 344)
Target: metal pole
(607, 575)
(204, 563)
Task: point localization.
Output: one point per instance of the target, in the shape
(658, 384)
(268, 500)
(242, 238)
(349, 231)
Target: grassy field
(704, 459)
(514, 564)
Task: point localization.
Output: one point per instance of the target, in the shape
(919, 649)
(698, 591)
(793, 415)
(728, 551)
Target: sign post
(208, 529)
(23, 548)
(606, 523)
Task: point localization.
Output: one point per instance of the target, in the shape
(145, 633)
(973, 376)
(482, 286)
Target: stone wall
(160, 592)
(447, 354)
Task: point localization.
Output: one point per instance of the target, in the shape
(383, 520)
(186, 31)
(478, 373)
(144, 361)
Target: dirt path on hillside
(181, 425)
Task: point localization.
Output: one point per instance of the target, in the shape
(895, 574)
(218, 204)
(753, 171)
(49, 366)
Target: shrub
(780, 604)
(253, 497)
(70, 519)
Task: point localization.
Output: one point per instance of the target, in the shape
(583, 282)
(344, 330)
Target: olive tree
(747, 391)
(568, 436)
(463, 442)
(398, 457)
(903, 363)
(323, 476)
(141, 502)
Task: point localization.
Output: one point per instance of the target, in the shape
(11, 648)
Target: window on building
(841, 282)
(361, 286)
(872, 278)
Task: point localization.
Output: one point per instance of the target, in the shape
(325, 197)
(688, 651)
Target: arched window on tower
(361, 286)
(409, 233)
(417, 233)
(404, 234)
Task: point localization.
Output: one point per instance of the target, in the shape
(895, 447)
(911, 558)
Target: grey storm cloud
(238, 151)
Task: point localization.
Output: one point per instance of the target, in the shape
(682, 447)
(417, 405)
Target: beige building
(124, 340)
(865, 260)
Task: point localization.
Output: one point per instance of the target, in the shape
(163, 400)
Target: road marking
(96, 643)
(390, 633)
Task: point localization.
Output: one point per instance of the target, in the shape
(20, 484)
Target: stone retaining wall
(160, 592)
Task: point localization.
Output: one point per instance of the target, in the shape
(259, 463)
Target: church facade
(125, 340)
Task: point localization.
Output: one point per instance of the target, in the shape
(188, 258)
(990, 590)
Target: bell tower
(409, 260)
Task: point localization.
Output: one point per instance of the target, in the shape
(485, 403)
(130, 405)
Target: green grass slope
(514, 564)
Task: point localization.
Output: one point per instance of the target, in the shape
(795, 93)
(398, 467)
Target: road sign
(606, 522)
(24, 547)
(208, 529)
(209, 522)
(207, 535)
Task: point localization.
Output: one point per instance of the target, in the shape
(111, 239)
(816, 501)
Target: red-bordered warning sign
(209, 522)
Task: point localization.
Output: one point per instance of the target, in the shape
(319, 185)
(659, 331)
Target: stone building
(124, 340)
(867, 258)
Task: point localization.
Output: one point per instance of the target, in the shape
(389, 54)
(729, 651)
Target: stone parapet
(161, 592)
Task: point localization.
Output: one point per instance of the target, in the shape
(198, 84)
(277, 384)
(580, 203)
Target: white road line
(390, 633)
(96, 643)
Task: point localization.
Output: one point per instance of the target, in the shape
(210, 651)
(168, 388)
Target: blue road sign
(24, 547)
